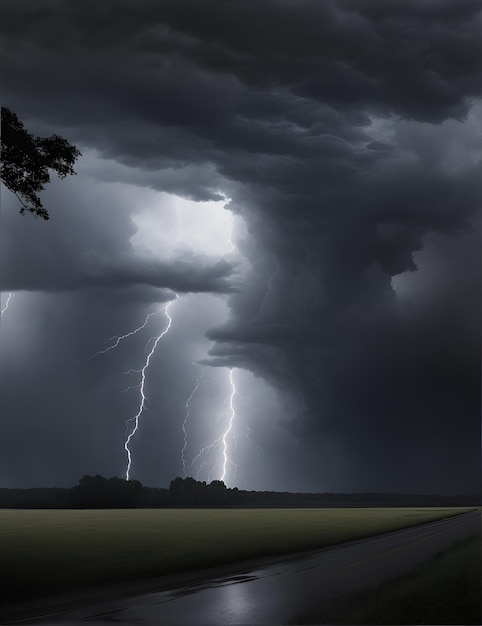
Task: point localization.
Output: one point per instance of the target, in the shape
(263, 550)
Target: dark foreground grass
(52, 551)
(444, 590)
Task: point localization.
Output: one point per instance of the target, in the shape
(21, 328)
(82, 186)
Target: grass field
(445, 590)
(46, 551)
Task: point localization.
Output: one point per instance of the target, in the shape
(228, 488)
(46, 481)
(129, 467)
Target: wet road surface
(277, 593)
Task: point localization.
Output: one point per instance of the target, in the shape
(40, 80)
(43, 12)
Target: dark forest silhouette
(98, 492)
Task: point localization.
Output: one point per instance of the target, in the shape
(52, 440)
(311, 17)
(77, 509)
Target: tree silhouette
(191, 492)
(26, 162)
(95, 492)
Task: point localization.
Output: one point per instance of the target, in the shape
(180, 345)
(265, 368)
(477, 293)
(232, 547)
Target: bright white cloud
(168, 223)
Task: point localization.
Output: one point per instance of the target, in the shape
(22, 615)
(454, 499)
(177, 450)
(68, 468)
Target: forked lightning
(118, 338)
(142, 403)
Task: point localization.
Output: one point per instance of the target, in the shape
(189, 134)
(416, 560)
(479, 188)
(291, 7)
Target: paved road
(277, 593)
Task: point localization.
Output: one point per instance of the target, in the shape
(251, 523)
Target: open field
(446, 590)
(46, 551)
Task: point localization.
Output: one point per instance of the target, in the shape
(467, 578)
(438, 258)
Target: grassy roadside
(51, 551)
(444, 590)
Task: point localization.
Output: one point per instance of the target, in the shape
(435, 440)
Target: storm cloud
(347, 138)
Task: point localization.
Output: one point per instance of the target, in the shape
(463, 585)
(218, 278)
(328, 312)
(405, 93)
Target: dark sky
(306, 177)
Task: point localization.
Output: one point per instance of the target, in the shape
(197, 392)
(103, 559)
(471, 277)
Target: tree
(187, 492)
(95, 492)
(191, 492)
(26, 162)
(217, 493)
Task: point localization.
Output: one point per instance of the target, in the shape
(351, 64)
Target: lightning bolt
(226, 439)
(222, 442)
(118, 338)
(232, 247)
(132, 387)
(143, 398)
(230, 424)
(204, 451)
(9, 299)
(253, 442)
(186, 418)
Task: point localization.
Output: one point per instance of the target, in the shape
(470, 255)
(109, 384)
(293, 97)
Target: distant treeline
(99, 492)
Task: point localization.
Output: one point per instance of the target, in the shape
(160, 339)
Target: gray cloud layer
(348, 136)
